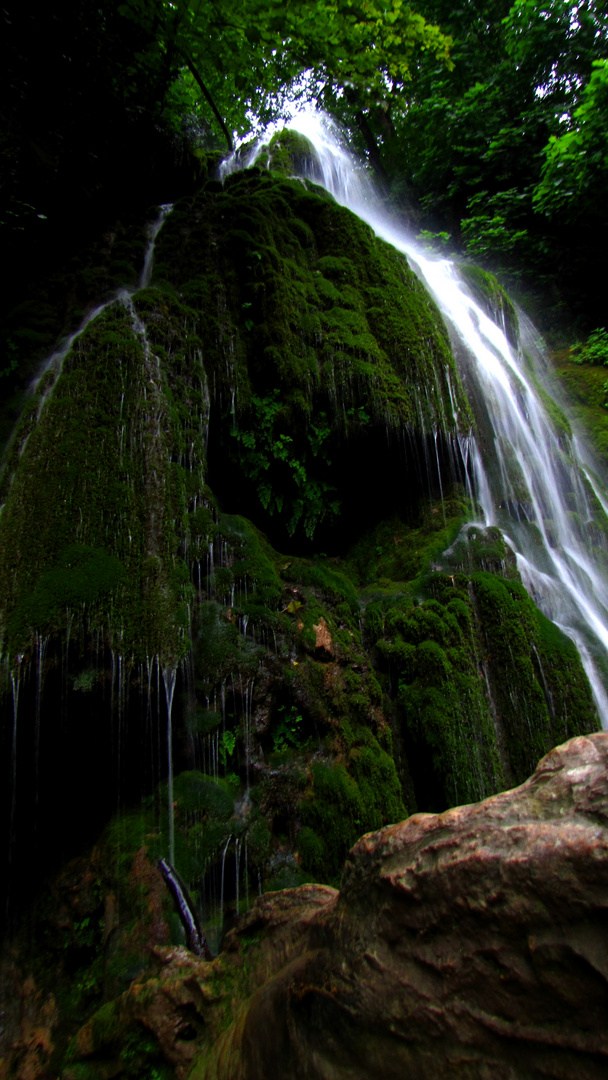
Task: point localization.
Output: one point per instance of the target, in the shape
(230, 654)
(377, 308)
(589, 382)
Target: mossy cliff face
(318, 342)
(290, 153)
(489, 293)
(228, 501)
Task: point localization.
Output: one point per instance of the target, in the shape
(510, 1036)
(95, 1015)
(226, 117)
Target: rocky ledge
(469, 944)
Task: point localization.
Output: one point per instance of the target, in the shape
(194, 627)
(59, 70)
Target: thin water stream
(55, 360)
(530, 479)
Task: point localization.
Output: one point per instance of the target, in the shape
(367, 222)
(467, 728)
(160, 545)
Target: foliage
(230, 65)
(470, 151)
(572, 185)
(593, 351)
(434, 241)
(306, 498)
(226, 746)
(287, 732)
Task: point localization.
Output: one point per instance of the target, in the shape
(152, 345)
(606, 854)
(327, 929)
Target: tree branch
(192, 68)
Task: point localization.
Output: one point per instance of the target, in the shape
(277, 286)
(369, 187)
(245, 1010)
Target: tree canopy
(486, 119)
(87, 87)
(506, 149)
(233, 62)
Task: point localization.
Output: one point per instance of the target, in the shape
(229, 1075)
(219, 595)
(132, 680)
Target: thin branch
(192, 68)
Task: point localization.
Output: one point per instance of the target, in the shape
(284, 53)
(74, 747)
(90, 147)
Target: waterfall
(152, 230)
(530, 481)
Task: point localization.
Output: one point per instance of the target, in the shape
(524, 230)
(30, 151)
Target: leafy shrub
(593, 351)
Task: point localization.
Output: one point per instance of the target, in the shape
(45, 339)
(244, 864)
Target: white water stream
(533, 483)
(123, 295)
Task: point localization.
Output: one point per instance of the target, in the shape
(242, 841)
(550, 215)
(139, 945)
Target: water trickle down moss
(97, 471)
(310, 701)
(132, 476)
(538, 682)
(488, 292)
(310, 330)
(267, 286)
(485, 683)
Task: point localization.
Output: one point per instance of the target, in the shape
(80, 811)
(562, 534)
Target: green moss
(485, 685)
(141, 1057)
(399, 552)
(106, 1026)
(327, 692)
(84, 485)
(328, 581)
(432, 657)
(291, 153)
(491, 295)
(585, 386)
(197, 794)
(530, 662)
(305, 326)
(482, 549)
(81, 578)
(561, 424)
(344, 803)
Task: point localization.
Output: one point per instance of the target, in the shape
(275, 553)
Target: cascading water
(530, 481)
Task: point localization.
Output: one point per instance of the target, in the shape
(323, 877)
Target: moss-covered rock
(585, 386)
(315, 332)
(483, 682)
(489, 293)
(236, 603)
(291, 154)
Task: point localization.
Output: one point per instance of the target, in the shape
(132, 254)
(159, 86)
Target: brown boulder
(472, 944)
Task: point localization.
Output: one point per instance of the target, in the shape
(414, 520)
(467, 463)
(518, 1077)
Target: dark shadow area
(376, 474)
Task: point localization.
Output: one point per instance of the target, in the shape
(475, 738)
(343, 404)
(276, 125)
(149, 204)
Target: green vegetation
(505, 150)
(343, 804)
(290, 153)
(490, 294)
(582, 375)
(593, 351)
(161, 88)
(106, 484)
(323, 695)
(315, 338)
(575, 169)
(263, 446)
(81, 578)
